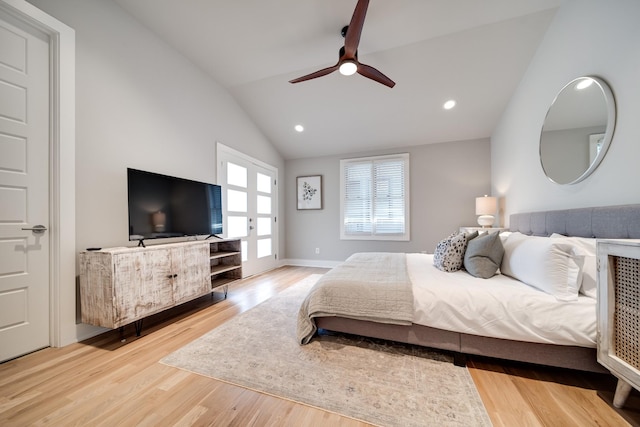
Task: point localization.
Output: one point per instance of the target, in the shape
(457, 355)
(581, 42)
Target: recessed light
(449, 104)
(299, 128)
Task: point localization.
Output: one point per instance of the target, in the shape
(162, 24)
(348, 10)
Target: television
(162, 206)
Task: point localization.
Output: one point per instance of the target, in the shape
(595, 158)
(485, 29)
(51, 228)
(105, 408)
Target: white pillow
(504, 235)
(588, 286)
(546, 264)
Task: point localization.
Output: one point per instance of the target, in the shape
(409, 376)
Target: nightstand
(618, 314)
(479, 229)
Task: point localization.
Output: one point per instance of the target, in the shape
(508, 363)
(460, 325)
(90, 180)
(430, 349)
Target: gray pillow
(484, 255)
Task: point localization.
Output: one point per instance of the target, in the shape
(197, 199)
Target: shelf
(222, 254)
(219, 269)
(221, 281)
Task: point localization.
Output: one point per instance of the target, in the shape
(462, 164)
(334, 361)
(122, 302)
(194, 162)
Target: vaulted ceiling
(472, 51)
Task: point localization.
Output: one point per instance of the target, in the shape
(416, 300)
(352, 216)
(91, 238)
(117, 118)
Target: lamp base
(486, 220)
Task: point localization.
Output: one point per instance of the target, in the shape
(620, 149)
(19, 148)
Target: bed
(498, 317)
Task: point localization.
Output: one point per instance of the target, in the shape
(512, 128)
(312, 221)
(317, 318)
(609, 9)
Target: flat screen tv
(162, 206)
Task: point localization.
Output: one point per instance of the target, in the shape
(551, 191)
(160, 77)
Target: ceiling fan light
(348, 68)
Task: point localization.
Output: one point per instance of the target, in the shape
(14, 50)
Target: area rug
(379, 382)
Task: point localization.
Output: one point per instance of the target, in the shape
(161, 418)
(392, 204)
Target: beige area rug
(374, 381)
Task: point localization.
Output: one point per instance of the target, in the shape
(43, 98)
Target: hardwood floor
(103, 381)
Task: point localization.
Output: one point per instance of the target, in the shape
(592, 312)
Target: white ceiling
(474, 51)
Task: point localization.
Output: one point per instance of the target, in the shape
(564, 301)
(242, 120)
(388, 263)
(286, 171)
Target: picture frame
(309, 192)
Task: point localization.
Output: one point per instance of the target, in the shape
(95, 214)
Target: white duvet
(499, 307)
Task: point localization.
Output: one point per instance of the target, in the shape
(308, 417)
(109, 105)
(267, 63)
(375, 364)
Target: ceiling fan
(348, 63)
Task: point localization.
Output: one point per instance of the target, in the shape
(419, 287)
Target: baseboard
(311, 263)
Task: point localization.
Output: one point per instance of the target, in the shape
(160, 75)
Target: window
(374, 198)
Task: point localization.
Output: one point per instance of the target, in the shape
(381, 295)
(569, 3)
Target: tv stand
(141, 243)
(120, 286)
(213, 235)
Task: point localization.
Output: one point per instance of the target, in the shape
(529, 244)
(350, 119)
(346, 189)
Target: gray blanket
(367, 286)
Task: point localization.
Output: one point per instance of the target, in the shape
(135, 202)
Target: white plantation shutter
(374, 198)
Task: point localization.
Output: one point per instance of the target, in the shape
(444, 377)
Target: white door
(24, 189)
(250, 202)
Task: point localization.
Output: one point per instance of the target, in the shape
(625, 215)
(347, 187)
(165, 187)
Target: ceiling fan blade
(316, 74)
(373, 74)
(352, 39)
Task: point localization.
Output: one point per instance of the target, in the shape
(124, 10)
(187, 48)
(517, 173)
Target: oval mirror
(577, 130)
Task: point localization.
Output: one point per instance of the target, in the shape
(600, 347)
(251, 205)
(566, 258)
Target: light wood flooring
(103, 381)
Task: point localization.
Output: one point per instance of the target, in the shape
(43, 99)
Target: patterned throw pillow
(449, 252)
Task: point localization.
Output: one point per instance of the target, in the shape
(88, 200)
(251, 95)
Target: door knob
(37, 229)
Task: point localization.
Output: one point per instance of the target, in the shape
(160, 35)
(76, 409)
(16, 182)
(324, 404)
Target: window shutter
(388, 178)
(374, 198)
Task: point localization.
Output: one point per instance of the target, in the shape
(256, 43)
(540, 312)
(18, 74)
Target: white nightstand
(618, 314)
(479, 229)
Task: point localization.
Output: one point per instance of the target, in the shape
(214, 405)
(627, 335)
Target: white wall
(587, 37)
(445, 180)
(140, 104)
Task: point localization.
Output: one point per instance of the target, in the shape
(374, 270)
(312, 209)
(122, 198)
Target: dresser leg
(622, 392)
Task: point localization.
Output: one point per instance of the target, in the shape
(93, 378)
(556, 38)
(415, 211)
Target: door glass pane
(245, 254)
(264, 205)
(264, 183)
(264, 226)
(236, 175)
(264, 248)
(236, 201)
(236, 226)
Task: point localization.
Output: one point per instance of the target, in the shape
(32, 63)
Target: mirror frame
(608, 135)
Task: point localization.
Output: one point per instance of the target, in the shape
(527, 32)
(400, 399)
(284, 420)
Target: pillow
(471, 236)
(550, 265)
(450, 252)
(588, 286)
(484, 255)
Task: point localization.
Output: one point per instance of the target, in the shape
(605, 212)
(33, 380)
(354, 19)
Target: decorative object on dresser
(486, 207)
(119, 286)
(619, 313)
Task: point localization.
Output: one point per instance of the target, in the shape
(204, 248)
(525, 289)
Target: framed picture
(309, 192)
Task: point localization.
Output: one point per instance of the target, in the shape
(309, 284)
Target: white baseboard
(311, 263)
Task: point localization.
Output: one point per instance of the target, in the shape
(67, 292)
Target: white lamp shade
(486, 207)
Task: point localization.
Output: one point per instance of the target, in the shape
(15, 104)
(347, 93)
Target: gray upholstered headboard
(604, 222)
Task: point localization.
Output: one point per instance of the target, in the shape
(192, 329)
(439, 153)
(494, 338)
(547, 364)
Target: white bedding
(499, 307)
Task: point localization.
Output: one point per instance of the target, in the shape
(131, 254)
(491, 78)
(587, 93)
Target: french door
(249, 201)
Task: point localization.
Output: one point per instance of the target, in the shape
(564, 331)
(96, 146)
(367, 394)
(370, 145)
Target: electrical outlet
(317, 251)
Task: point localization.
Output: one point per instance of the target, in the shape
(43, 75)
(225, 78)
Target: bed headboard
(604, 222)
